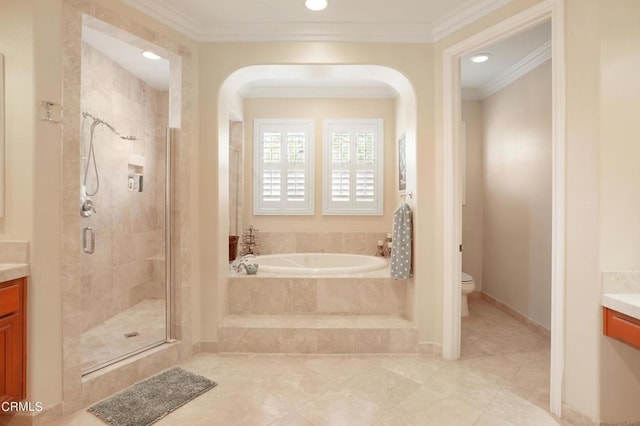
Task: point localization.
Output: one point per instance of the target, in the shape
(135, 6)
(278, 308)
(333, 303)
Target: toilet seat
(467, 285)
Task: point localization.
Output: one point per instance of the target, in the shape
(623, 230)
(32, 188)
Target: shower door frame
(170, 134)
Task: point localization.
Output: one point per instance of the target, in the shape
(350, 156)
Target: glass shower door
(125, 220)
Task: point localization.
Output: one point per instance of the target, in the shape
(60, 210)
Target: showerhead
(97, 121)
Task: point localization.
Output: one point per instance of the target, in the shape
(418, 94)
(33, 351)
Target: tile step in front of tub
(317, 334)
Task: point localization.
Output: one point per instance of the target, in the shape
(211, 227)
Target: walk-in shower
(124, 182)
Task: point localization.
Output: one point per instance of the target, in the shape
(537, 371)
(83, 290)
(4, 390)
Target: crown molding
(528, 63)
(319, 31)
(197, 30)
(467, 13)
(169, 15)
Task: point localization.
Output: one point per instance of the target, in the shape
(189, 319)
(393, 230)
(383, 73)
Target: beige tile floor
(107, 340)
(502, 379)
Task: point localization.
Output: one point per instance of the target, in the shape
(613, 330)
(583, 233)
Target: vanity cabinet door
(13, 340)
(621, 327)
(11, 358)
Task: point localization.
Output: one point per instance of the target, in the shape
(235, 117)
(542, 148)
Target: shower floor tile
(107, 340)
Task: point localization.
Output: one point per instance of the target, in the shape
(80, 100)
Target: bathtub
(318, 263)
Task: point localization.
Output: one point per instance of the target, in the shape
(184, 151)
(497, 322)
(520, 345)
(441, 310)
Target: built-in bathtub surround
(360, 313)
(320, 242)
(316, 296)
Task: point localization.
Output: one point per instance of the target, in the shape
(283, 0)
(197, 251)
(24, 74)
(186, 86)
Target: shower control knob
(87, 208)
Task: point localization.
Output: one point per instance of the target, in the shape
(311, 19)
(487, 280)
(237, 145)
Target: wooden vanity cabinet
(621, 327)
(13, 340)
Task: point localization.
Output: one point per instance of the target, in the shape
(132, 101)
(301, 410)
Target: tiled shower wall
(128, 264)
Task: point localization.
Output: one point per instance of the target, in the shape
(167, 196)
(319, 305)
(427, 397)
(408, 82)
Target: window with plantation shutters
(353, 167)
(283, 167)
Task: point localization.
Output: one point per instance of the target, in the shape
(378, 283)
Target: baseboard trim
(477, 294)
(540, 329)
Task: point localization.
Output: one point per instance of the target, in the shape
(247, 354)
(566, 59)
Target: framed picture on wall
(402, 164)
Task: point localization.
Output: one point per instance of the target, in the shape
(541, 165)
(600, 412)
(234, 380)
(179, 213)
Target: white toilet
(468, 286)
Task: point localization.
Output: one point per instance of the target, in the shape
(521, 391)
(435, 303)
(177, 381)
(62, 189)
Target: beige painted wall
(601, 376)
(17, 46)
(619, 188)
(472, 209)
(516, 249)
(319, 110)
(221, 60)
(33, 194)
(583, 324)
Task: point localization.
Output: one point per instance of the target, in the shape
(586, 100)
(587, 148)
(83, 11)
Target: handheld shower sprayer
(87, 208)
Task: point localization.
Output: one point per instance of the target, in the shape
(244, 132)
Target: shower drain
(132, 334)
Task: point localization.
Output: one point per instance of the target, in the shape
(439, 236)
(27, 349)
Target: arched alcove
(230, 108)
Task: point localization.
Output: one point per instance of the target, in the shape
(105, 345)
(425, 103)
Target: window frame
(333, 208)
(283, 207)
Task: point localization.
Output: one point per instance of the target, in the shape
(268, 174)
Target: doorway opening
(550, 10)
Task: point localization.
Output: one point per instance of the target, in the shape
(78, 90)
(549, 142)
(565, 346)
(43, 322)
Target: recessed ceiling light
(315, 4)
(480, 58)
(150, 55)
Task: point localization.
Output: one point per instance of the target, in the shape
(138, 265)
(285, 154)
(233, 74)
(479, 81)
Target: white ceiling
(510, 58)
(342, 20)
(153, 72)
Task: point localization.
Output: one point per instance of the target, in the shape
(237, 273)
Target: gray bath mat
(147, 402)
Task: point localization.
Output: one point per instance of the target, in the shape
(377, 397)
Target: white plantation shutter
(296, 185)
(271, 185)
(283, 167)
(353, 167)
(340, 187)
(365, 185)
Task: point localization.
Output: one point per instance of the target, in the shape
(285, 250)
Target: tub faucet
(239, 263)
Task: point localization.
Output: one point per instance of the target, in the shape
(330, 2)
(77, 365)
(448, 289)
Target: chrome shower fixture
(91, 158)
(97, 121)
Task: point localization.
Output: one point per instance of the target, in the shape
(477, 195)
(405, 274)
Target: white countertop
(11, 271)
(625, 303)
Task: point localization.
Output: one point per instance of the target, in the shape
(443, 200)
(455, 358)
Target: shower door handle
(89, 244)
